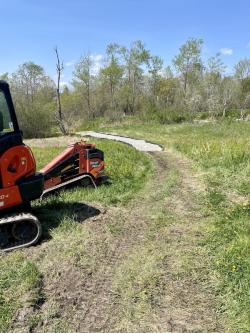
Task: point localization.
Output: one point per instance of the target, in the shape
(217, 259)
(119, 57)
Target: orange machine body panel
(78, 159)
(16, 163)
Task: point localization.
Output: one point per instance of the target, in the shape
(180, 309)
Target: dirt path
(82, 298)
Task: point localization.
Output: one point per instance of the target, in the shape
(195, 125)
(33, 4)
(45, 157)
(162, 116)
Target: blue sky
(31, 28)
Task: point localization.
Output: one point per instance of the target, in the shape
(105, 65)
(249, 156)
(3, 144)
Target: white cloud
(226, 51)
(69, 63)
(248, 45)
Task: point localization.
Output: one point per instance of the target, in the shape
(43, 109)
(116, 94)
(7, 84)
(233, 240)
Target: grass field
(221, 154)
(171, 235)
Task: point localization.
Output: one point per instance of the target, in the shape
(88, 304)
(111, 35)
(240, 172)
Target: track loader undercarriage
(19, 230)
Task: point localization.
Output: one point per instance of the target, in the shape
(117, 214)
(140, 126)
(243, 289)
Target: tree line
(131, 81)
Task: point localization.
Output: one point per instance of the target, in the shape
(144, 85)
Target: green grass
(222, 150)
(44, 155)
(20, 279)
(139, 280)
(221, 154)
(229, 240)
(138, 284)
(20, 283)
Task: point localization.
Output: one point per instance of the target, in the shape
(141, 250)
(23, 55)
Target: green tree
(83, 81)
(242, 69)
(5, 77)
(215, 68)
(242, 73)
(29, 78)
(113, 71)
(230, 94)
(212, 84)
(33, 94)
(188, 62)
(134, 57)
(166, 91)
(168, 73)
(155, 65)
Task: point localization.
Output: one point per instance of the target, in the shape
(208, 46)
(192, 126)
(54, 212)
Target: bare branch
(59, 117)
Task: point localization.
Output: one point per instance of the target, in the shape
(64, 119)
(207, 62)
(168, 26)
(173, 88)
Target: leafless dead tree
(59, 114)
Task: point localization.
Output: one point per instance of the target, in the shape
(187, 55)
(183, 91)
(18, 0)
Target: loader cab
(10, 134)
(8, 121)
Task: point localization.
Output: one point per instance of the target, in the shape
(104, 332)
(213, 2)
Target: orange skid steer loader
(20, 183)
